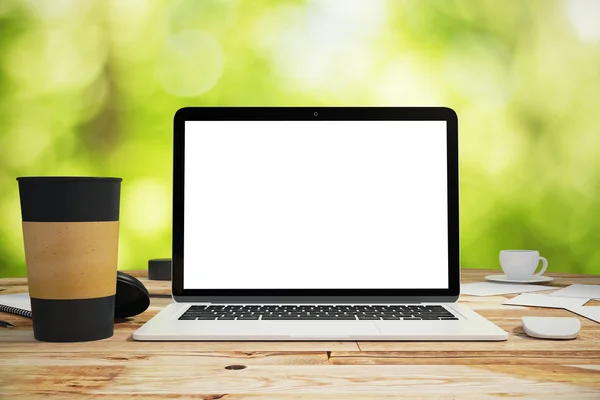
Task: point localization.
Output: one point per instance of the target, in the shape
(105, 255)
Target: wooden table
(119, 368)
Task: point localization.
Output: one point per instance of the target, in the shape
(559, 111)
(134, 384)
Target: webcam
(315, 113)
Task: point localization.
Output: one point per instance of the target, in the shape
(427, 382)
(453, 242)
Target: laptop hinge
(224, 303)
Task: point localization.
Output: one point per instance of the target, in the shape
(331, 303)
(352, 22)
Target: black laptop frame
(308, 296)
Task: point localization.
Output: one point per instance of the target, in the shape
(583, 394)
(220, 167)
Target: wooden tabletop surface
(120, 368)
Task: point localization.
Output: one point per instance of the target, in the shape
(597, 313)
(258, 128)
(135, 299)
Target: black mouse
(132, 297)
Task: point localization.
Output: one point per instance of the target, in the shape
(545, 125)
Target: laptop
(316, 223)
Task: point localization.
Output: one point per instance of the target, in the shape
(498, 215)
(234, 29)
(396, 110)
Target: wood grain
(140, 378)
(120, 368)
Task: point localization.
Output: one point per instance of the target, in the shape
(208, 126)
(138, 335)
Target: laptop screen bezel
(315, 114)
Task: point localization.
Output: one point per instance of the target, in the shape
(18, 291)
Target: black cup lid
(132, 297)
(69, 199)
(68, 178)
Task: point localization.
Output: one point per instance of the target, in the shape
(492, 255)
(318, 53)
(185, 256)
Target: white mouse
(551, 327)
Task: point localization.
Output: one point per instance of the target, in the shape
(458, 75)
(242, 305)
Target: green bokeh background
(90, 88)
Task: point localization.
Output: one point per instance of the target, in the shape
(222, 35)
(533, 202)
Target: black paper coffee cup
(71, 236)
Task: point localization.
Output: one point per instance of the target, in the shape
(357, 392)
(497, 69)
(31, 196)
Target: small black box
(159, 269)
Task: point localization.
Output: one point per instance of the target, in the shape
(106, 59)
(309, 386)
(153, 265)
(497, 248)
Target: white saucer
(533, 279)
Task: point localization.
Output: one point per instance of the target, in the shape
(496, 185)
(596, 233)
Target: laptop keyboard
(316, 312)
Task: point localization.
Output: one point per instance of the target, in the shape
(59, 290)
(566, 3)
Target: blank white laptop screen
(315, 205)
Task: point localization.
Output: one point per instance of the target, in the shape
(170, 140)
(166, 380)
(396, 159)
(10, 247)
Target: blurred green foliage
(90, 88)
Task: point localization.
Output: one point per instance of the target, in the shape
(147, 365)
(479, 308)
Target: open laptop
(316, 223)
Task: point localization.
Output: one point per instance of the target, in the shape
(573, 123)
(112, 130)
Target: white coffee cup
(520, 265)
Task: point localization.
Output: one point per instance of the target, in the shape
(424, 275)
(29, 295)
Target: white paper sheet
(592, 313)
(583, 291)
(493, 288)
(544, 300)
(20, 300)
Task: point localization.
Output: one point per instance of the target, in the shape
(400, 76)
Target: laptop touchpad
(308, 329)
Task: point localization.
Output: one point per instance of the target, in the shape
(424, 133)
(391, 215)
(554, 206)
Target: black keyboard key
(254, 317)
(306, 318)
(203, 312)
(225, 317)
(366, 317)
(208, 318)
